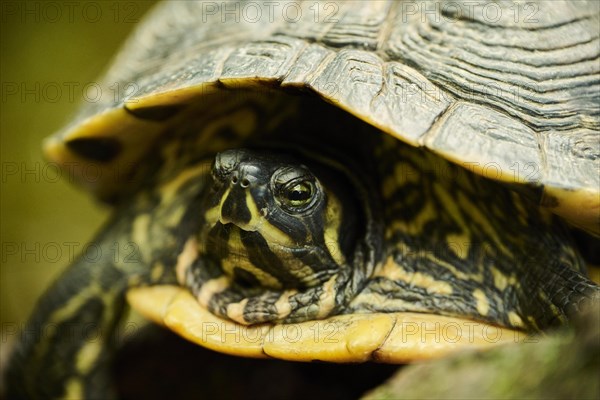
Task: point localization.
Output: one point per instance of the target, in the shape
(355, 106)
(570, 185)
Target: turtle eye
(298, 194)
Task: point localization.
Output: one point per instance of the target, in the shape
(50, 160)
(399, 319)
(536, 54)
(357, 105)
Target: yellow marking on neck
(238, 257)
(212, 215)
(210, 288)
(282, 305)
(532, 322)
(293, 264)
(256, 217)
(483, 305)
(235, 311)
(327, 298)
(173, 218)
(259, 223)
(515, 320)
(483, 222)
(452, 268)
(403, 173)
(73, 389)
(455, 210)
(73, 305)
(274, 234)
(385, 302)
(89, 352)
(333, 216)
(555, 310)
(451, 205)
(139, 235)
(157, 271)
(393, 271)
(501, 281)
(415, 225)
(459, 244)
(279, 243)
(186, 258)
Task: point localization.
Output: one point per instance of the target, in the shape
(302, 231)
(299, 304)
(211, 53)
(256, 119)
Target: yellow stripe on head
(333, 218)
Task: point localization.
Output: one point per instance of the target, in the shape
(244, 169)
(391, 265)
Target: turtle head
(272, 222)
(279, 198)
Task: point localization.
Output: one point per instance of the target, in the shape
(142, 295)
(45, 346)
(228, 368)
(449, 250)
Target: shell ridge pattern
(454, 55)
(420, 52)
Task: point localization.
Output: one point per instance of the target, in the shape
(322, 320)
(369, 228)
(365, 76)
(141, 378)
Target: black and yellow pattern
(296, 227)
(278, 242)
(231, 176)
(463, 244)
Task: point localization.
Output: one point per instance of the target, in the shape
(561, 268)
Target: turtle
(332, 181)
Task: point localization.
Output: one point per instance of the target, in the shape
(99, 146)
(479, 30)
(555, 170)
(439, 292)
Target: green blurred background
(47, 48)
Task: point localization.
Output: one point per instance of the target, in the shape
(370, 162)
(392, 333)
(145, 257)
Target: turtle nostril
(245, 183)
(234, 179)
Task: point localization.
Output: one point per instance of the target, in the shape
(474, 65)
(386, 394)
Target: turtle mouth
(237, 207)
(255, 222)
(235, 248)
(244, 227)
(257, 228)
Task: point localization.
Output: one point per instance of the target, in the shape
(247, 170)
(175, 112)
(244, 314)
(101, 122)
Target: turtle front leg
(66, 348)
(245, 304)
(68, 345)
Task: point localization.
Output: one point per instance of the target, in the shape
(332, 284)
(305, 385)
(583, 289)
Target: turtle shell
(509, 92)
(512, 98)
